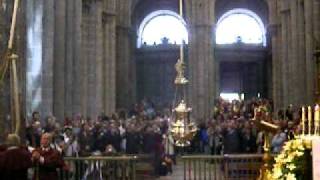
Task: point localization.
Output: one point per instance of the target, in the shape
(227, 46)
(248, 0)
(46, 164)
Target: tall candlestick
(309, 119)
(303, 119)
(316, 119)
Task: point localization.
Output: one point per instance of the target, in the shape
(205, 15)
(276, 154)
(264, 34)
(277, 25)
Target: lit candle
(309, 119)
(316, 118)
(316, 113)
(303, 119)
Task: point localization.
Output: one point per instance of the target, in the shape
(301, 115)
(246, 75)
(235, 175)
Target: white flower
(291, 176)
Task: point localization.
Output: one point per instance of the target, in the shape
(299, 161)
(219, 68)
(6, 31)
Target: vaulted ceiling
(141, 8)
(260, 7)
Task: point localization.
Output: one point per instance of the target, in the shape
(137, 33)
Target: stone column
(316, 20)
(92, 65)
(21, 50)
(85, 57)
(5, 126)
(310, 62)
(200, 17)
(77, 58)
(48, 58)
(109, 56)
(99, 60)
(301, 66)
(274, 31)
(69, 57)
(284, 10)
(59, 62)
(316, 38)
(125, 69)
(34, 55)
(293, 54)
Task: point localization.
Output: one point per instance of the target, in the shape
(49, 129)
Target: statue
(180, 67)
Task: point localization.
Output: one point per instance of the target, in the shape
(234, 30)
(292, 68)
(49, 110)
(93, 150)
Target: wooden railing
(113, 168)
(229, 167)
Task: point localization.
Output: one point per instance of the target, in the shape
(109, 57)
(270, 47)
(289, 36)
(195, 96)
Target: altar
(300, 158)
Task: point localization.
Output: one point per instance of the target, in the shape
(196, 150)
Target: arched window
(162, 26)
(240, 26)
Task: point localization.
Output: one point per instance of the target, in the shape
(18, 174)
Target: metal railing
(229, 167)
(110, 167)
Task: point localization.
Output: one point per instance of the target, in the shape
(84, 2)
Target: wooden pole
(13, 24)
(13, 58)
(15, 94)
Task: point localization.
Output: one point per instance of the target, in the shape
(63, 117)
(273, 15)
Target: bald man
(47, 159)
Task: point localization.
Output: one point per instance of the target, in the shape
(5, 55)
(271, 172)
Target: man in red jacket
(47, 160)
(16, 159)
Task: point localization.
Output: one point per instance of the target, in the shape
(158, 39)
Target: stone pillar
(109, 56)
(85, 57)
(92, 55)
(59, 61)
(5, 21)
(34, 55)
(293, 54)
(48, 58)
(274, 31)
(316, 38)
(77, 58)
(125, 64)
(310, 62)
(99, 60)
(21, 64)
(301, 66)
(316, 20)
(200, 17)
(69, 57)
(284, 10)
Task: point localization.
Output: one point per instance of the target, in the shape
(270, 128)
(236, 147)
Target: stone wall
(243, 69)
(88, 65)
(156, 73)
(293, 26)
(78, 59)
(19, 44)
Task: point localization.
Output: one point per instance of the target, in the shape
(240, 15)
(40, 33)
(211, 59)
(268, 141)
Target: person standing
(16, 160)
(47, 160)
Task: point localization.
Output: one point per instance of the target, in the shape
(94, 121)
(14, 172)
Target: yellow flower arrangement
(290, 163)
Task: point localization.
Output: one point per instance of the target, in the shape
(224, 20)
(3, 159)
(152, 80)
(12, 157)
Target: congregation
(145, 130)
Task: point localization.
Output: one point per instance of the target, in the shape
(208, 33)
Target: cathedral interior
(87, 57)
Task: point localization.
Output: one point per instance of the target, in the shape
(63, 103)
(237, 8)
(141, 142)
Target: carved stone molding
(86, 4)
(273, 29)
(107, 17)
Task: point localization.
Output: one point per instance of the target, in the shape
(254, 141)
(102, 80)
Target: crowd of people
(144, 130)
(232, 129)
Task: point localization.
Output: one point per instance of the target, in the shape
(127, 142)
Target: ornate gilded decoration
(182, 129)
(260, 114)
(180, 68)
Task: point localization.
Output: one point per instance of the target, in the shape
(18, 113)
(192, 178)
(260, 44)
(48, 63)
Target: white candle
(303, 119)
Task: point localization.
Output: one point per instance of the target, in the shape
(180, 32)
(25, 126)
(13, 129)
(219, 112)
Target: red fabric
(16, 163)
(2, 152)
(48, 169)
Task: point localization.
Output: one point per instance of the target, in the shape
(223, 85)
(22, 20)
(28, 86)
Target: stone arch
(248, 17)
(261, 8)
(156, 14)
